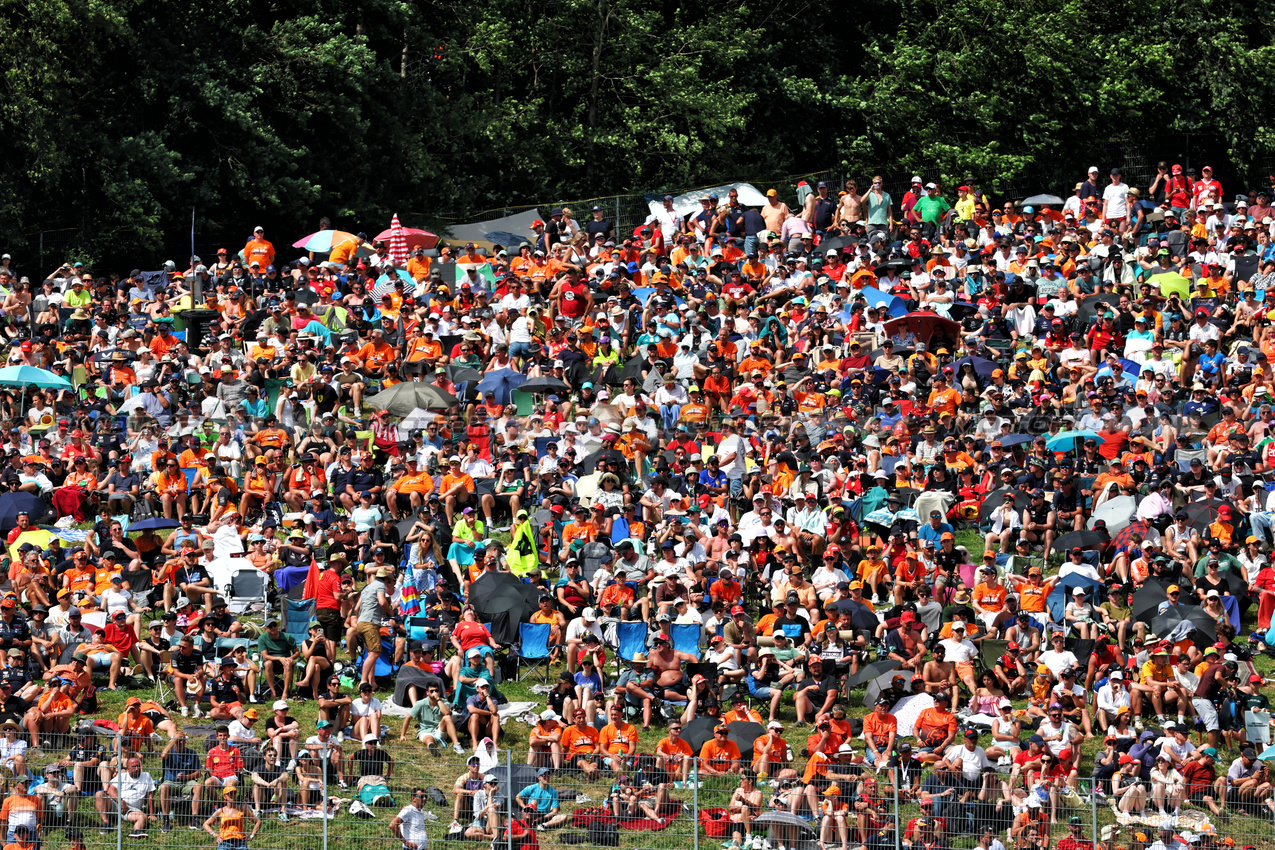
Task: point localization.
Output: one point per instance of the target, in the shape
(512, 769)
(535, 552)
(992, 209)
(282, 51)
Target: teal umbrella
(1068, 440)
(29, 376)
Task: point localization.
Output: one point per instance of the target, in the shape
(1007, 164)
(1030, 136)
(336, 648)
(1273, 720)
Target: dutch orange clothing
(615, 739)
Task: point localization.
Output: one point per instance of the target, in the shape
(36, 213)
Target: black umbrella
(12, 504)
(900, 264)
(497, 593)
(1083, 539)
(870, 671)
(699, 731)
(836, 243)
(1205, 628)
(1146, 602)
(513, 777)
(545, 385)
(996, 498)
(307, 296)
(456, 373)
(1200, 515)
(861, 617)
(960, 311)
(632, 371)
(743, 733)
(590, 463)
(1095, 305)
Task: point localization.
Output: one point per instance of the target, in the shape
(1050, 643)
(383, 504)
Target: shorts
(370, 634)
(101, 659)
(233, 844)
(180, 789)
(482, 649)
(224, 781)
(430, 732)
(330, 619)
(1207, 712)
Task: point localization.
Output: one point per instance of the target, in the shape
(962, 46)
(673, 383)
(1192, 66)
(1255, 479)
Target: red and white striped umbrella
(398, 242)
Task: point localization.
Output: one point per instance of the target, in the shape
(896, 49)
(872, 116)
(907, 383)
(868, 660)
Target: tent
(478, 230)
(688, 202)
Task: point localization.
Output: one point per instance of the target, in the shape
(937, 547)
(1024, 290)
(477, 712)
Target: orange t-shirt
(137, 730)
(576, 741)
(675, 752)
(879, 727)
(616, 739)
(992, 598)
(718, 755)
(421, 482)
(1032, 598)
(450, 481)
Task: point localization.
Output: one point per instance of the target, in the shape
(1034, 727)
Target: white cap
(548, 714)
(369, 738)
(589, 615)
(844, 749)
(280, 705)
(1093, 169)
(774, 724)
(1212, 594)
(1077, 591)
(1116, 676)
(1005, 704)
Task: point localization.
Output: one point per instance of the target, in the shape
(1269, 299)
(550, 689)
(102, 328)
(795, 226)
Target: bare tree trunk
(604, 16)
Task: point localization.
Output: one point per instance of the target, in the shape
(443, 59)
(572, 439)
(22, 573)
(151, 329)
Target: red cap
(738, 609)
(1224, 512)
(26, 346)
(907, 617)
(1125, 758)
(705, 501)
(1013, 644)
(834, 549)
(77, 433)
(1177, 169)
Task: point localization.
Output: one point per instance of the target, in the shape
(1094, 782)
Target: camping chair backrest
(247, 588)
(1183, 457)
(296, 618)
(533, 640)
(989, 649)
(630, 639)
(1246, 266)
(686, 637)
(542, 445)
(591, 555)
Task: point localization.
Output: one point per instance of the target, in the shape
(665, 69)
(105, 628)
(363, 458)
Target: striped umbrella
(398, 242)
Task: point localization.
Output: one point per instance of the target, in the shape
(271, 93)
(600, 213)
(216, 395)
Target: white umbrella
(1117, 512)
(418, 418)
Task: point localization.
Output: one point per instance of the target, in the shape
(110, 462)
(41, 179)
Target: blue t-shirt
(544, 799)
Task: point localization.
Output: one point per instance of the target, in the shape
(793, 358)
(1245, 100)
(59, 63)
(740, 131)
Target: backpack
(604, 834)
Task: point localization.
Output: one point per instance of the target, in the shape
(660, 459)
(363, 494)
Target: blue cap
(632, 268)
(1029, 210)
(269, 269)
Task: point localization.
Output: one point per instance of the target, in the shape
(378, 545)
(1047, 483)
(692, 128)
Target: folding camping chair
(630, 639)
(247, 591)
(686, 638)
(533, 649)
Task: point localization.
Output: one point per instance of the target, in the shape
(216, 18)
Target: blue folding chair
(686, 638)
(296, 618)
(631, 639)
(533, 648)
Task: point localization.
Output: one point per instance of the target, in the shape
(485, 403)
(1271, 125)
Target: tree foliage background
(120, 116)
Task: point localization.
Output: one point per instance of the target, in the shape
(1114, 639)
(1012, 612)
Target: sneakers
(185, 711)
(138, 833)
(541, 827)
(105, 829)
(252, 698)
(167, 825)
(458, 749)
(429, 816)
(292, 765)
(1137, 724)
(454, 829)
(344, 785)
(340, 737)
(283, 815)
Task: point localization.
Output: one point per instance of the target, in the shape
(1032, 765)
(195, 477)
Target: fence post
(694, 786)
(509, 795)
(894, 780)
(119, 817)
(327, 759)
(1093, 809)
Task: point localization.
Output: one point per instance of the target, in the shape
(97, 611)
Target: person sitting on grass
(541, 808)
(580, 744)
(544, 742)
(433, 716)
(53, 712)
(464, 789)
(719, 755)
(486, 823)
(132, 793)
(226, 693)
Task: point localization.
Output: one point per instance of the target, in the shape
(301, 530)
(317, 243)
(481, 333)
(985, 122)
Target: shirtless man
(663, 677)
(851, 207)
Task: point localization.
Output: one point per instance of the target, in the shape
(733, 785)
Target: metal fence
(642, 806)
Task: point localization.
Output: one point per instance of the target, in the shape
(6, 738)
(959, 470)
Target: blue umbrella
(154, 524)
(1067, 441)
(1015, 439)
(12, 504)
(893, 304)
(502, 382)
(643, 294)
(982, 368)
(507, 239)
(29, 376)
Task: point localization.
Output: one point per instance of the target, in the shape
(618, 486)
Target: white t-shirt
(412, 827)
(132, 791)
(733, 444)
(1058, 661)
(972, 761)
(1117, 198)
(958, 650)
(359, 708)
(115, 600)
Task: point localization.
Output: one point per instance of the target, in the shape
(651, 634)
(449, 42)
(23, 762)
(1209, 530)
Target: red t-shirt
(471, 635)
(329, 584)
(224, 762)
(122, 639)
